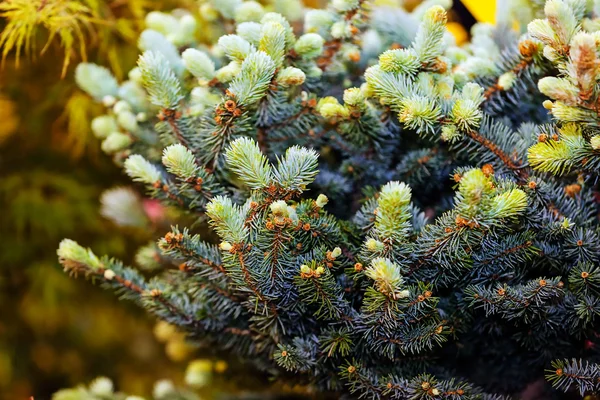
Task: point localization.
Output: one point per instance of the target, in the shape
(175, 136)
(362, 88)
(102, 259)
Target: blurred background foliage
(54, 331)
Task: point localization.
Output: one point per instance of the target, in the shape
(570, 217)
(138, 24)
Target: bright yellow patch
(482, 10)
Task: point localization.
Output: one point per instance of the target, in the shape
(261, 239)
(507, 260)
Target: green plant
(324, 163)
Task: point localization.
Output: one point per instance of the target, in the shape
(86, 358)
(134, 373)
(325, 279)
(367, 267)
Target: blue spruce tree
(384, 214)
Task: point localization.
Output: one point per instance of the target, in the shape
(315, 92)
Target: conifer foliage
(384, 214)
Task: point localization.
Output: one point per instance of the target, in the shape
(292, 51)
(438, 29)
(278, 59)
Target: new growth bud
(70, 251)
(102, 387)
(322, 200)
(225, 246)
(103, 126)
(291, 76)
(199, 64)
(279, 208)
(374, 245)
(387, 277)
(336, 252)
(354, 97)
(309, 45)
(141, 170)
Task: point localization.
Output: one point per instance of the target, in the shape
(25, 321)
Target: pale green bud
(386, 275)
(104, 125)
(180, 161)
(419, 12)
(401, 61)
(566, 223)
(450, 133)
(305, 269)
(249, 11)
(187, 25)
(208, 12)
(163, 388)
(198, 373)
(290, 9)
(161, 22)
(318, 20)
(466, 114)
(225, 246)
(367, 90)
(135, 75)
(474, 92)
(309, 45)
(551, 54)
(116, 141)
(279, 208)
(330, 110)
(584, 60)
(394, 195)
(272, 41)
(444, 86)
(321, 200)
(70, 250)
(508, 204)
(148, 258)
(228, 72)
(123, 206)
(292, 213)
(227, 7)
(562, 20)
(541, 29)
(121, 106)
(202, 96)
(374, 245)
(344, 5)
(482, 29)
(128, 121)
(403, 294)
(291, 76)
(435, 14)
(473, 184)
(290, 37)
(336, 252)
(354, 97)
(558, 89)
(329, 107)
(507, 80)
(141, 117)
(314, 72)
(109, 274)
(595, 142)
(340, 30)
(236, 48)
(141, 170)
(134, 398)
(198, 63)
(97, 81)
(109, 101)
(319, 271)
(419, 112)
(372, 43)
(251, 31)
(101, 386)
(134, 94)
(567, 113)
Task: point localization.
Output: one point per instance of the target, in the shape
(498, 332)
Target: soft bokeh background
(56, 332)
